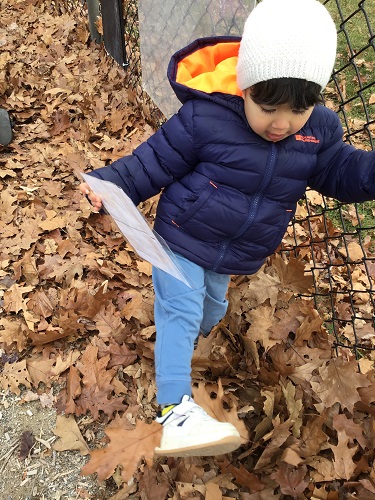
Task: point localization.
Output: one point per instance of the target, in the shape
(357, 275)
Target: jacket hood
(206, 69)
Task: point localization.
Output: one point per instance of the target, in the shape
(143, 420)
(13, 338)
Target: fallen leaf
(354, 252)
(27, 442)
(70, 435)
(153, 484)
(279, 434)
(293, 481)
(215, 408)
(14, 375)
(126, 448)
(343, 462)
(243, 477)
(13, 298)
(339, 383)
(292, 275)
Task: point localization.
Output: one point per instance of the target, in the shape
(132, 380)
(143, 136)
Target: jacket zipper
(253, 208)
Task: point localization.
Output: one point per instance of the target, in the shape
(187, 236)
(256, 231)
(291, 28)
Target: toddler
(231, 165)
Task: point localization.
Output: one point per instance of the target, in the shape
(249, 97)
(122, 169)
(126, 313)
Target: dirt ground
(44, 474)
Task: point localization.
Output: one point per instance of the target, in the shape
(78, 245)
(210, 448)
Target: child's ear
(244, 93)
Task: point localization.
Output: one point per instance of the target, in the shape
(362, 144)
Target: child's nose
(280, 123)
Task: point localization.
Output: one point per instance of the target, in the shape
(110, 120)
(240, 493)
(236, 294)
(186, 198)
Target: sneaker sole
(221, 447)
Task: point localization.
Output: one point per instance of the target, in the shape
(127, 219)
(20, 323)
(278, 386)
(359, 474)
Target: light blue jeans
(180, 314)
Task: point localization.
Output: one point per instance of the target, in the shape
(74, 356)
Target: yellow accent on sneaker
(166, 409)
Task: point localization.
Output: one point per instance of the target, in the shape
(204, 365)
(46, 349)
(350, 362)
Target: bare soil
(44, 474)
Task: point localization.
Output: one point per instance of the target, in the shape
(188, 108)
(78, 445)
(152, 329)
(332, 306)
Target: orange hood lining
(211, 69)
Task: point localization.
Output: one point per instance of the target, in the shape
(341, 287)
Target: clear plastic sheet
(146, 242)
(167, 26)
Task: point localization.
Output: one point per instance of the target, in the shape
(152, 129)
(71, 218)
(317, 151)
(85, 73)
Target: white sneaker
(189, 431)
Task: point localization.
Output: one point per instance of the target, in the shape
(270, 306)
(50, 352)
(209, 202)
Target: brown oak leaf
(108, 323)
(312, 437)
(215, 408)
(98, 391)
(292, 274)
(15, 374)
(13, 298)
(263, 288)
(293, 481)
(93, 399)
(70, 435)
(73, 389)
(242, 476)
(154, 484)
(352, 429)
(13, 332)
(120, 354)
(261, 321)
(280, 433)
(343, 462)
(126, 448)
(339, 383)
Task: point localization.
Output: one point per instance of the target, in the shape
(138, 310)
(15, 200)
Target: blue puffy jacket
(227, 195)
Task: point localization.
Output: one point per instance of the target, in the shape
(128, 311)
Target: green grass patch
(355, 62)
(352, 95)
(354, 217)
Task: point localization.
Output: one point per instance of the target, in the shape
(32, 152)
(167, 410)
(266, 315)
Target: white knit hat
(287, 39)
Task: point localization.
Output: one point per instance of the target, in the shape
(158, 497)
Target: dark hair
(299, 94)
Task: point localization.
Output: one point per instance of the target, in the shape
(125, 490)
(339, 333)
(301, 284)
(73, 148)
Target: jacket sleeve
(344, 172)
(167, 155)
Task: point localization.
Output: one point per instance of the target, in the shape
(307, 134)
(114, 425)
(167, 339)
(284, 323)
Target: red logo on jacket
(307, 138)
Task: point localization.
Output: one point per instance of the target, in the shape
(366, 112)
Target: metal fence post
(113, 29)
(93, 14)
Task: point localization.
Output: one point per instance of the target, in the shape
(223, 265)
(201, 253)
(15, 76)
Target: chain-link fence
(336, 240)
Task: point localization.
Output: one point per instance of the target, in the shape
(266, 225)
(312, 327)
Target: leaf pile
(77, 304)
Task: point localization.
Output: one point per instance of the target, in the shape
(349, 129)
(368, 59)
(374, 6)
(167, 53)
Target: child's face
(274, 123)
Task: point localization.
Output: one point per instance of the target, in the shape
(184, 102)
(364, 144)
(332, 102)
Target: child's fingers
(97, 204)
(95, 200)
(84, 188)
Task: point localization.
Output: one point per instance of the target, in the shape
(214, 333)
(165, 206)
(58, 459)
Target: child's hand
(95, 200)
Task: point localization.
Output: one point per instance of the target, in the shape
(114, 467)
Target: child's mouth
(275, 137)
